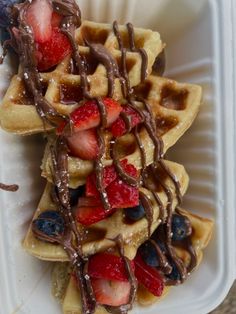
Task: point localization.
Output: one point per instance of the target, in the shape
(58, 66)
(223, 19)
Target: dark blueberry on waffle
(181, 227)
(149, 254)
(135, 213)
(49, 223)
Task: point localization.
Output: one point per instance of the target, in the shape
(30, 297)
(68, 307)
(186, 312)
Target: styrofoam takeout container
(200, 49)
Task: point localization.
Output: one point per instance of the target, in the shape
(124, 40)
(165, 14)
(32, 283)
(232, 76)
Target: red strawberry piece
(90, 210)
(118, 128)
(53, 51)
(56, 19)
(111, 292)
(88, 116)
(129, 168)
(84, 144)
(38, 17)
(122, 195)
(148, 276)
(108, 266)
(109, 175)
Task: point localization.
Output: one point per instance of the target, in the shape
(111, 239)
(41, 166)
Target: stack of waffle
(174, 107)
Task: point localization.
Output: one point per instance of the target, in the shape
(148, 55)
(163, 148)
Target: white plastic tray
(200, 50)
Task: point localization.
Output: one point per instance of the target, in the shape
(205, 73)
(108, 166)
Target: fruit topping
(120, 194)
(51, 45)
(53, 51)
(90, 210)
(181, 227)
(135, 213)
(88, 116)
(148, 276)
(5, 12)
(56, 19)
(149, 254)
(111, 292)
(75, 194)
(109, 175)
(38, 17)
(84, 144)
(118, 128)
(49, 223)
(108, 266)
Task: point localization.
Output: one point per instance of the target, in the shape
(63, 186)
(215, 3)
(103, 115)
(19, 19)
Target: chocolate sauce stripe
(9, 187)
(141, 51)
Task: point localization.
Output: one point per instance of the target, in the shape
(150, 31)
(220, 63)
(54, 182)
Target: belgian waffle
(99, 234)
(174, 106)
(65, 287)
(62, 88)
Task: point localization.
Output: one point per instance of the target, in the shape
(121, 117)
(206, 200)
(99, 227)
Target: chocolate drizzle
(9, 188)
(148, 210)
(140, 50)
(101, 54)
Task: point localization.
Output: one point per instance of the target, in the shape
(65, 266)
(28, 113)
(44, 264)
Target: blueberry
(149, 254)
(135, 213)
(5, 12)
(175, 274)
(181, 227)
(75, 194)
(50, 223)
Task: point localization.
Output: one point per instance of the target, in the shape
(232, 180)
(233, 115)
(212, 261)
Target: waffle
(65, 288)
(100, 233)
(174, 106)
(62, 85)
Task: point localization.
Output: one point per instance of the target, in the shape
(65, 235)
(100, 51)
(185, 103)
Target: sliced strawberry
(56, 19)
(148, 276)
(38, 17)
(108, 266)
(122, 195)
(53, 51)
(118, 128)
(90, 210)
(84, 144)
(111, 292)
(109, 175)
(88, 116)
(129, 168)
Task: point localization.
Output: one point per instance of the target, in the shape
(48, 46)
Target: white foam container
(199, 36)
